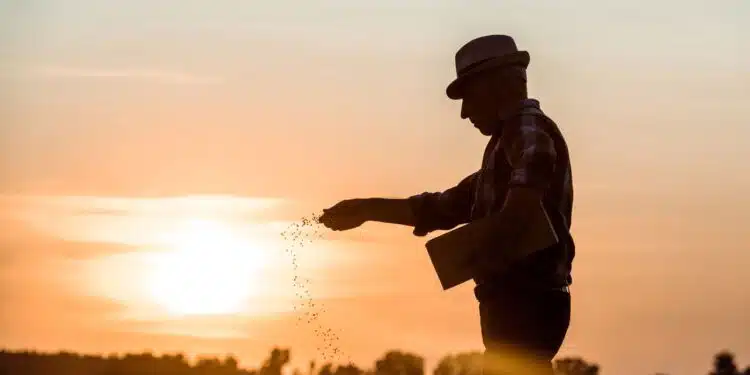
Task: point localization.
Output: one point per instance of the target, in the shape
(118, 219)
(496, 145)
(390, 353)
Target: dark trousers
(523, 330)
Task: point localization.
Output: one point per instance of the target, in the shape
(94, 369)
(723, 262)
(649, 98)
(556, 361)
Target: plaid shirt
(529, 151)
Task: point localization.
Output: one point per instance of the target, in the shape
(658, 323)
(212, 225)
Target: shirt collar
(523, 104)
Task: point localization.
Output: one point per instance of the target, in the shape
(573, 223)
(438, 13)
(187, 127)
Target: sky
(149, 143)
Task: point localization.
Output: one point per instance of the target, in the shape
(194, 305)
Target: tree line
(394, 362)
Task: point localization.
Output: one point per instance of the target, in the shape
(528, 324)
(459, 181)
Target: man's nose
(464, 110)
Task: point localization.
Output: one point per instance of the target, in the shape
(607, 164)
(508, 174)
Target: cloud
(176, 206)
(173, 207)
(27, 250)
(79, 250)
(87, 226)
(153, 75)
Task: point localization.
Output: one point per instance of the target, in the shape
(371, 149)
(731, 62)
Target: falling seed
(299, 237)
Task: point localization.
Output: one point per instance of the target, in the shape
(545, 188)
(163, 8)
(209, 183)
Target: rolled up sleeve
(443, 210)
(531, 154)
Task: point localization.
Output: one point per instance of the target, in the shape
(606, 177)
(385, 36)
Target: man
(525, 310)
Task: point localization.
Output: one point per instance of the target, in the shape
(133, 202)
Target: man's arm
(531, 152)
(444, 210)
(428, 211)
(392, 211)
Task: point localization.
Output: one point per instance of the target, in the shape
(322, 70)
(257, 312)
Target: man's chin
(484, 129)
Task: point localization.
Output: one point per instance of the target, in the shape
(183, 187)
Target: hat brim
(455, 88)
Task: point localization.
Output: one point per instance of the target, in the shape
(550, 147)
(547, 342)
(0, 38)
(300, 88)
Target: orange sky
(134, 134)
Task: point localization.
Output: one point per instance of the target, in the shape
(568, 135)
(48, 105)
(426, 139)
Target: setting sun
(208, 269)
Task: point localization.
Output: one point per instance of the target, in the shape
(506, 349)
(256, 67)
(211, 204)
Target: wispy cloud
(162, 206)
(153, 75)
(132, 221)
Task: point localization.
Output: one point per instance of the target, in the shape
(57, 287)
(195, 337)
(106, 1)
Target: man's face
(480, 103)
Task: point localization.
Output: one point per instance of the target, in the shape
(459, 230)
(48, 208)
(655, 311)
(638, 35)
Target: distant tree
(446, 366)
(399, 363)
(460, 364)
(230, 363)
(575, 366)
(724, 364)
(326, 369)
(349, 369)
(470, 363)
(208, 365)
(275, 362)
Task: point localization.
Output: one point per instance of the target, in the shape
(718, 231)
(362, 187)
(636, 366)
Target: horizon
(139, 136)
(396, 361)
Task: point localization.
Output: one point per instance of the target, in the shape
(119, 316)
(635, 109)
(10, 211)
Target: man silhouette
(525, 309)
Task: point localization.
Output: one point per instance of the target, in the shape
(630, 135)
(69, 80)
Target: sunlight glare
(207, 270)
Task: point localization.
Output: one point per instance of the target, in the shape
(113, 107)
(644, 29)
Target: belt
(564, 289)
(483, 291)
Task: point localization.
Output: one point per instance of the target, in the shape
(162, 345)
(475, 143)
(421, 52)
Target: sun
(207, 270)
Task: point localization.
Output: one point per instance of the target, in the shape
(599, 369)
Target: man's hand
(347, 214)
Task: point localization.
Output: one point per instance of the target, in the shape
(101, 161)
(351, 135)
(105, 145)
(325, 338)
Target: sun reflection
(208, 269)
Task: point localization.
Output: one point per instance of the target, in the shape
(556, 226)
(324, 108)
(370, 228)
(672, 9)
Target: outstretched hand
(345, 215)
